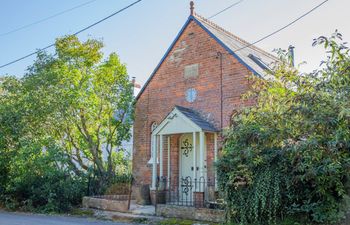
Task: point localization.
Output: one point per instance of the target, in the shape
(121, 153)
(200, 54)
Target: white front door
(187, 167)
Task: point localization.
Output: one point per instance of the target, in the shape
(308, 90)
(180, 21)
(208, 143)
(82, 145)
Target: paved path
(30, 219)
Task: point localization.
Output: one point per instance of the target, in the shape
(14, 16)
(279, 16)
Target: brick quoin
(168, 86)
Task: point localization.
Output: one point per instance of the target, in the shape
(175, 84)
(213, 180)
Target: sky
(142, 34)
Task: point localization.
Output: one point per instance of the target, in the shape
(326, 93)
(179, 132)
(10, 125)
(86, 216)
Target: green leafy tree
(289, 154)
(84, 103)
(10, 127)
(66, 118)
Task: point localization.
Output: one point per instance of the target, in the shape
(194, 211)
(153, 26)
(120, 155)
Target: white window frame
(150, 161)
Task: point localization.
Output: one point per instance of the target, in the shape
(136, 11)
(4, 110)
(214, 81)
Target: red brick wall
(210, 157)
(168, 86)
(175, 159)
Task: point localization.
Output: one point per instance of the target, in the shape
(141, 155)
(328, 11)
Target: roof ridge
(199, 119)
(209, 22)
(185, 108)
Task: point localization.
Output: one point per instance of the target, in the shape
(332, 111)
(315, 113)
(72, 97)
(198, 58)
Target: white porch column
(216, 158)
(194, 157)
(168, 174)
(201, 153)
(154, 167)
(161, 156)
(201, 161)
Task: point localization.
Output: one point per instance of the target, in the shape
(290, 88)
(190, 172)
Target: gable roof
(255, 59)
(183, 120)
(196, 118)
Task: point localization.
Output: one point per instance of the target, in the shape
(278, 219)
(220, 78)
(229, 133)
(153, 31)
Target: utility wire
(282, 28)
(227, 8)
(46, 18)
(78, 32)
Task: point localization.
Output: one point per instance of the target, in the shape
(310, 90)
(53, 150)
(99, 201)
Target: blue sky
(142, 34)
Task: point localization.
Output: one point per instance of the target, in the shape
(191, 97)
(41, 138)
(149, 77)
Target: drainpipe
(291, 54)
(219, 55)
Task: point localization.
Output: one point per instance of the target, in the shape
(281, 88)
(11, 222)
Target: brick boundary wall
(109, 203)
(191, 213)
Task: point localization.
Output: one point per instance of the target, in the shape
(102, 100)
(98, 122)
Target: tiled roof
(196, 118)
(256, 59)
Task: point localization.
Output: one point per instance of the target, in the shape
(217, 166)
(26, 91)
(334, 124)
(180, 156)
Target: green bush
(40, 180)
(288, 156)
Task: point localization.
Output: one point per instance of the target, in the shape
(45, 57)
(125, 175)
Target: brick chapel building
(188, 100)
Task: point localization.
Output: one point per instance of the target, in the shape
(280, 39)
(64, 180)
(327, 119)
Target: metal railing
(185, 191)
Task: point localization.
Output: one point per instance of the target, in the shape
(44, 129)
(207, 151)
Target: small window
(191, 71)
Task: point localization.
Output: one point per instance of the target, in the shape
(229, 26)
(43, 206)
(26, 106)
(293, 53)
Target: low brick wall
(118, 203)
(112, 197)
(203, 214)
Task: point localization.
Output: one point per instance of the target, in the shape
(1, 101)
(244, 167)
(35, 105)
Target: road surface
(7, 218)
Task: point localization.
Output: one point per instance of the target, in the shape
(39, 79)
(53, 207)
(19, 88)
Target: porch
(184, 151)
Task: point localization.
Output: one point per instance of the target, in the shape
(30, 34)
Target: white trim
(202, 157)
(150, 161)
(194, 156)
(215, 159)
(180, 161)
(201, 153)
(161, 156)
(168, 174)
(154, 167)
(176, 113)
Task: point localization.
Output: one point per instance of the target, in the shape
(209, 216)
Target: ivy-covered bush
(288, 155)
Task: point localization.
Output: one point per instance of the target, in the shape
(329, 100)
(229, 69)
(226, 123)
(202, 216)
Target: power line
(113, 14)
(227, 8)
(78, 32)
(284, 27)
(46, 18)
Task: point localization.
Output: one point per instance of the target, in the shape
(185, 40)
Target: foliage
(40, 180)
(288, 155)
(62, 123)
(175, 221)
(83, 103)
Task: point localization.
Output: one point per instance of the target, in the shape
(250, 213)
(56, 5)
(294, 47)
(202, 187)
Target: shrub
(40, 180)
(289, 154)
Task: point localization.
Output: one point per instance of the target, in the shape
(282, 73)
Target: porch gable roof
(183, 120)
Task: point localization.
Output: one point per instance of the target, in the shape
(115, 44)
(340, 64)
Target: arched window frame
(154, 126)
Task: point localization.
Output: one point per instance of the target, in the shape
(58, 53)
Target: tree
(35, 173)
(289, 154)
(10, 127)
(82, 103)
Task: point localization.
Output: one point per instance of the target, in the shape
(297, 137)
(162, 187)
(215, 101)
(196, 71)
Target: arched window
(154, 125)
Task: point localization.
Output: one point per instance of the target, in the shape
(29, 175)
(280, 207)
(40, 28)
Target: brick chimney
(192, 7)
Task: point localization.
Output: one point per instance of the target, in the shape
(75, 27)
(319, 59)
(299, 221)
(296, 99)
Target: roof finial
(192, 7)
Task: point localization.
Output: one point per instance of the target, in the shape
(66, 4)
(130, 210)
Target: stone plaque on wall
(191, 71)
